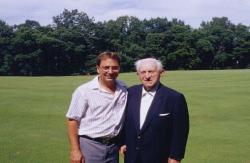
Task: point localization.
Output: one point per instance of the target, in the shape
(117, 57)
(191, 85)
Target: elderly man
(157, 121)
(96, 114)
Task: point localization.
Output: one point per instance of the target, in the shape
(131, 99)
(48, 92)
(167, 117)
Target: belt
(102, 140)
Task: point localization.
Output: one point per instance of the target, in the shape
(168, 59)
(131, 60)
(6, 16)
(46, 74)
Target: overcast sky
(192, 12)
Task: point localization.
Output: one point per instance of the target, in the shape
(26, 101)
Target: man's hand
(170, 160)
(75, 153)
(123, 150)
(76, 156)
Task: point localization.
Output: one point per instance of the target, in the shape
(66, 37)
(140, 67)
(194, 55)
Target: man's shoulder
(169, 91)
(85, 86)
(121, 83)
(135, 88)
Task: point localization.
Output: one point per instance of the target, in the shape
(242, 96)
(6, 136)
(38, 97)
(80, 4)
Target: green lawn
(32, 115)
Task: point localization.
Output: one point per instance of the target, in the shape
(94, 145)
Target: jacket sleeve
(180, 128)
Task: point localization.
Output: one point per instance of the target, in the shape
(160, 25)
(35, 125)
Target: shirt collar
(94, 84)
(151, 92)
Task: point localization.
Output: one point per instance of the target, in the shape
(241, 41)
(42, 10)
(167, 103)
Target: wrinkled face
(149, 75)
(108, 70)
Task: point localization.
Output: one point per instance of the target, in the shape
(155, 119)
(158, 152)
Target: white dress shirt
(146, 100)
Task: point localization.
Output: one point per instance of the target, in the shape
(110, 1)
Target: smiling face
(149, 74)
(108, 70)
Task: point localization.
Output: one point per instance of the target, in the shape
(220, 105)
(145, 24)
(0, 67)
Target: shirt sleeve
(78, 106)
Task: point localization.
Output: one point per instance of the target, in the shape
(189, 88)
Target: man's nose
(110, 70)
(147, 75)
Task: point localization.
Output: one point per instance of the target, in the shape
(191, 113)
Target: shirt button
(138, 137)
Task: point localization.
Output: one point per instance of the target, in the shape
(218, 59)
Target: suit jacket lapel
(153, 109)
(137, 103)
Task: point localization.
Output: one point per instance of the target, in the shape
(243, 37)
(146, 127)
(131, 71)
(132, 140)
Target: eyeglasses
(110, 68)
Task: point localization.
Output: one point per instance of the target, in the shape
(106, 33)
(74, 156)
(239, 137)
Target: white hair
(141, 62)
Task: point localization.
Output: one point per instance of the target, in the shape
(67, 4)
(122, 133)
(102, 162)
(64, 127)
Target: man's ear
(97, 69)
(163, 72)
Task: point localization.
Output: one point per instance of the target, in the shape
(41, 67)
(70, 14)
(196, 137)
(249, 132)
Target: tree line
(70, 44)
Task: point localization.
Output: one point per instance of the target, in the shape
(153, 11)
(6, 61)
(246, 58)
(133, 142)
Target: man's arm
(180, 129)
(75, 152)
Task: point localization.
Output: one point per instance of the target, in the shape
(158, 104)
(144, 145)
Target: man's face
(108, 70)
(149, 75)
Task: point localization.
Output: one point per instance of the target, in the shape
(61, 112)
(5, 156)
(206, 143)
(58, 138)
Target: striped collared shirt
(98, 112)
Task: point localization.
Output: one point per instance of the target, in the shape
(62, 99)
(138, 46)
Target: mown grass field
(32, 115)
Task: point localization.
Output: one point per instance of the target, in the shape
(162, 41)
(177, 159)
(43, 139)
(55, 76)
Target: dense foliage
(70, 45)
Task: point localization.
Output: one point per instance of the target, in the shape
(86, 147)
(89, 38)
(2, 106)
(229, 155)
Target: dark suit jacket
(165, 130)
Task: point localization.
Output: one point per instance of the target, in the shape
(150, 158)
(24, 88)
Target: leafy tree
(241, 51)
(126, 35)
(155, 44)
(25, 51)
(79, 34)
(70, 45)
(6, 33)
(156, 25)
(73, 20)
(220, 32)
(181, 54)
(205, 53)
